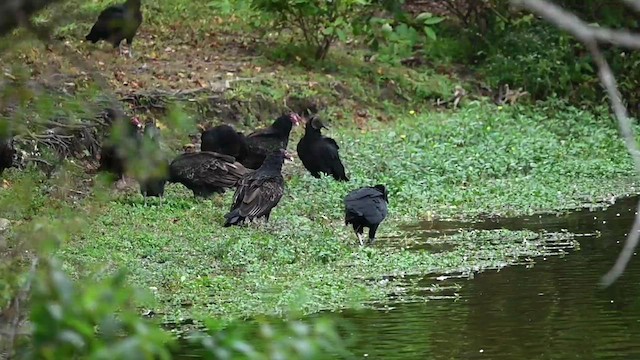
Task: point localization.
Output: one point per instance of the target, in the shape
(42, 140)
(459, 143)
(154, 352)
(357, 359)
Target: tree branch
(590, 36)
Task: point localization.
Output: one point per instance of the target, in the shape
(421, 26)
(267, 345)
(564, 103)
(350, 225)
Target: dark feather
(264, 141)
(117, 23)
(319, 154)
(366, 207)
(115, 149)
(153, 184)
(206, 173)
(7, 152)
(259, 192)
(224, 139)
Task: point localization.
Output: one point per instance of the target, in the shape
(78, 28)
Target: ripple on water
(553, 310)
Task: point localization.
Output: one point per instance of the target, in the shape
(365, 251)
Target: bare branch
(590, 36)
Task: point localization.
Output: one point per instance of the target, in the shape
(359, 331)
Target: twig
(42, 161)
(590, 36)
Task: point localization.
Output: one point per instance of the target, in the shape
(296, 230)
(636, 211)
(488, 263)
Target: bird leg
(358, 230)
(145, 200)
(130, 50)
(372, 233)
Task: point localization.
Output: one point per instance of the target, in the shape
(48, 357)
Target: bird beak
(137, 122)
(297, 119)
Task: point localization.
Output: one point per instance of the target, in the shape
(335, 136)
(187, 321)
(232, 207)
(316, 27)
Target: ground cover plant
(508, 161)
(403, 115)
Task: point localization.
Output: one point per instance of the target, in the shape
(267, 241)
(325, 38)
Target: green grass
(481, 160)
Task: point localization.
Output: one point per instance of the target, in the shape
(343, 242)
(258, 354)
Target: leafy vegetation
(384, 87)
(508, 162)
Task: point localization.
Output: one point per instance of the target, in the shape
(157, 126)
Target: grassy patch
(482, 160)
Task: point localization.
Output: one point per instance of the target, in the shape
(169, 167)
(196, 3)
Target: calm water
(552, 310)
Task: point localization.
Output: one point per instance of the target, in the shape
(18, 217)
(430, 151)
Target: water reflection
(554, 310)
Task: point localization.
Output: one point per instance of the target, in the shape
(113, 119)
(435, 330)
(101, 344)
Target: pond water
(554, 309)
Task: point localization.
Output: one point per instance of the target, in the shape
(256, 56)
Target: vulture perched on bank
(259, 192)
(117, 23)
(319, 154)
(272, 138)
(206, 173)
(153, 181)
(224, 139)
(7, 152)
(366, 207)
(124, 140)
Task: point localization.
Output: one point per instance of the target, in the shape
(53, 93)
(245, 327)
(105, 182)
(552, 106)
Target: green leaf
(430, 33)
(341, 34)
(423, 16)
(434, 20)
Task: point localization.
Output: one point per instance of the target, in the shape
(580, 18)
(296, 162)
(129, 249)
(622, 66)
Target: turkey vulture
(154, 179)
(113, 155)
(264, 141)
(366, 207)
(224, 139)
(206, 173)
(259, 192)
(319, 154)
(117, 23)
(7, 153)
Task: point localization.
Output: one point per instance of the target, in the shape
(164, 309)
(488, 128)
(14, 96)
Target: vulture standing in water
(117, 23)
(319, 154)
(206, 173)
(113, 156)
(264, 141)
(224, 139)
(7, 153)
(259, 192)
(153, 182)
(366, 207)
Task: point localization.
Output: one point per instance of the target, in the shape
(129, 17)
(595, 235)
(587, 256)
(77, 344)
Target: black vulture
(264, 141)
(319, 154)
(366, 207)
(117, 23)
(224, 139)
(259, 192)
(206, 173)
(154, 179)
(124, 139)
(7, 152)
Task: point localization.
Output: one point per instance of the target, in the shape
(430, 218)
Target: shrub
(319, 22)
(543, 61)
(396, 38)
